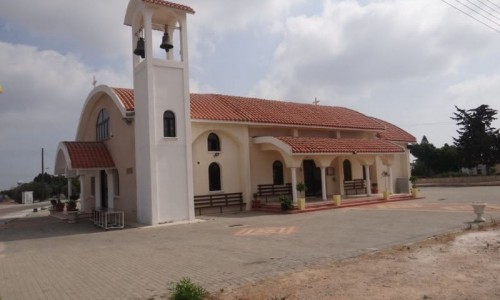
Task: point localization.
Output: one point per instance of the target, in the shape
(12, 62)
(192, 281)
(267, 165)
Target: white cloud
(475, 92)
(351, 49)
(86, 27)
(43, 94)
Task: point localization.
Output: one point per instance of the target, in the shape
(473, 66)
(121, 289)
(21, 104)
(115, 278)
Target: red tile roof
(217, 107)
(171, 5)
(126, 97)
(394, 133)
(331, 145)
(89, 155)
(252, 110)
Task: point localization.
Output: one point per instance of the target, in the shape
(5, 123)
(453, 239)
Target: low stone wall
(460, 181)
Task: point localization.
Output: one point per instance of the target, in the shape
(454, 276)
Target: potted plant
(57, 205)
(385, 174)
(301, 201)
(414, 189)
(255, 201)
(374, 188)
(71, 205)
(285, 203)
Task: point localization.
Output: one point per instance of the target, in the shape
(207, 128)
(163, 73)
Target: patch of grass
(185, 289)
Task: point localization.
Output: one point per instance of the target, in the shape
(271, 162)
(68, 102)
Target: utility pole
(42, 181)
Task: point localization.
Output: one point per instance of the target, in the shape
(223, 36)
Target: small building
(149, 150)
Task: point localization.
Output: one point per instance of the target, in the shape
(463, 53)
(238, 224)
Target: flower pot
(479, 211)
(301, 203)
(414, 193)
(337, 200)
(59, 207)
(256, 204)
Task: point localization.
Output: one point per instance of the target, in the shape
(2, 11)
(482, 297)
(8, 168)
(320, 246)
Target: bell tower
(162, 120)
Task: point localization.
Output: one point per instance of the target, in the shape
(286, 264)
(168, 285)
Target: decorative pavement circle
(263, 231)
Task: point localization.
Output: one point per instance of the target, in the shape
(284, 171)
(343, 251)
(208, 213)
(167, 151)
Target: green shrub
(184, 289)
(285, 202)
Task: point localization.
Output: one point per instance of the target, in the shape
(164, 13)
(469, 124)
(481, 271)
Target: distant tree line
(45, 186)
(478, 143)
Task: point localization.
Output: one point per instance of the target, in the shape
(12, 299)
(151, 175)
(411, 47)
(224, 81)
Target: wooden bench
(357, 186)
(266, 190)
(218, 200)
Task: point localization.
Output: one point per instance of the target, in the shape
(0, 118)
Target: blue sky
(405, 61)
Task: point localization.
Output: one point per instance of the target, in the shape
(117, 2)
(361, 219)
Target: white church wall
(120, 137)
(229, 159)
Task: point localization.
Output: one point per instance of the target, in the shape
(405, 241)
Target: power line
(471, 16)
(492, 8)
(477, 12)
(493, 3)
(483, 10)
(427, 124)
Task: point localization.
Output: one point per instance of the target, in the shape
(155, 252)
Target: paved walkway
(43, 259)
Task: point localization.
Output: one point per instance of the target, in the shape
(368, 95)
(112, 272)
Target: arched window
(347, 170)
(168, 124)
(102, 125)
(213, 142)
(214, 183)
(278, 173)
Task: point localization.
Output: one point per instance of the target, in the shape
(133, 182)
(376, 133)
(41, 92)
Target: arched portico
(321, 153)
(93, 165)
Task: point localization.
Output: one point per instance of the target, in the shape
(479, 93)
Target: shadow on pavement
(40, 225)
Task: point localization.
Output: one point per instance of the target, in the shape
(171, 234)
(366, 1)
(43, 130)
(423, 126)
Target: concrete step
(310, 207)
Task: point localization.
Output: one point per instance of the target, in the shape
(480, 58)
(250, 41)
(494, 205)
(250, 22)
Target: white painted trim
(326, 128)
(94, 96)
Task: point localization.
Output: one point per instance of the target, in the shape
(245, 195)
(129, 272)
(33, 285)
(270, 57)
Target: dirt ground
(463, 265)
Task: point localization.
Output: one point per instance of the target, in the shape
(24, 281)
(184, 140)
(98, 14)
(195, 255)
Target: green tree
(478, 142)
(432, 161)
(44, 186)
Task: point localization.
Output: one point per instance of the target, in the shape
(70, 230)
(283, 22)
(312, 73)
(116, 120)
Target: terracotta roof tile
(394, 133)
(89, 155)
(126, 97)
(218, 107)
(331, 145)
(171, 5)
(253, 110)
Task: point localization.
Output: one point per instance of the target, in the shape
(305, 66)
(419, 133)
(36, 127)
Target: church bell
(139, 49)
(165, 42)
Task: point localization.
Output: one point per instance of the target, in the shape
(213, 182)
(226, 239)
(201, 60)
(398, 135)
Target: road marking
(285, 230)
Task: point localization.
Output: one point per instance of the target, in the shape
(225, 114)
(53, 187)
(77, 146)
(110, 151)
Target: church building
(149, 151)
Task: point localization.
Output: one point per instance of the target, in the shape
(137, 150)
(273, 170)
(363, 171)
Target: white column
(82, 192)
(368, 181)
(323, 183)
(294, 185)
(390, 180)
(111, 188)
(69, 189)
